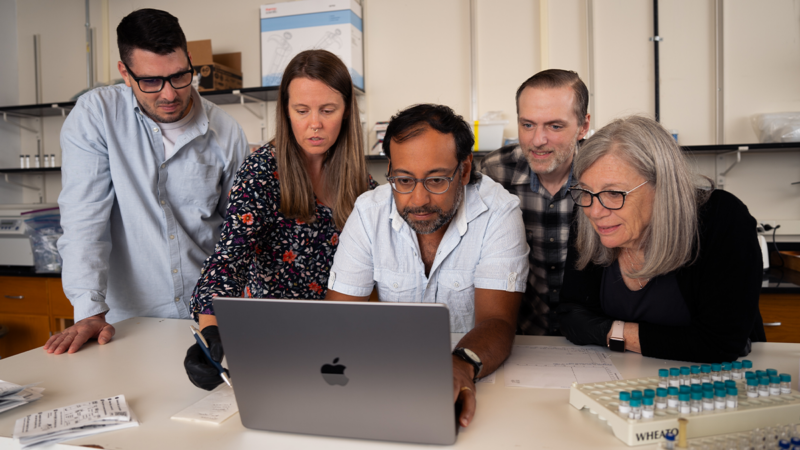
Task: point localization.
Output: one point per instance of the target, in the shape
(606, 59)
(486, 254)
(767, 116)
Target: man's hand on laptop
(72, 338)
(464, 389)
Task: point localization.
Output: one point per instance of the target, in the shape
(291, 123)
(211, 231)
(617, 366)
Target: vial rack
(603, 399)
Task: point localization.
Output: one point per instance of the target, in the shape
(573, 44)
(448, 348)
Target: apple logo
(334, 373)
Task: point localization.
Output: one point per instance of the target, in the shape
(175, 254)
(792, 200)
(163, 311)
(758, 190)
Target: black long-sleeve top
(720, 288)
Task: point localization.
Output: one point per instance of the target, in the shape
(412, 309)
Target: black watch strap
(470, 357)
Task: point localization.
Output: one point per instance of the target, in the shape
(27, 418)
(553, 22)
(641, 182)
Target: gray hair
(670, 241)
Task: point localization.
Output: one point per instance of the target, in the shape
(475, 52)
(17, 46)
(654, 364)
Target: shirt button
(174, 270)
(155, 130)
(164, 203)
(163, 166)
(455, 284)
(394, 285)
(552, 205)
(177, 299)
(172, 236)
(551, 239)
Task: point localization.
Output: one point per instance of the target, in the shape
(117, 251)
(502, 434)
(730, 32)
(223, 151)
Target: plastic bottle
(624, 402)
(663, 378)
(685, 376)
(636, 410)
(720, 399)
(708, 400)
(674, 376)
(726, 371)
(661, 398)
(752, 387)
(786, 384)
(683, 403)
(774, 385)
(705, 369)
(697, 402)
(736, 370)
(763, 387)
(648, 409)
(732, 399)
(672, 397)
(715, 372)
(695, 377)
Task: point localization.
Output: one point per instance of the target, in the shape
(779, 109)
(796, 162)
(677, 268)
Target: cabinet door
(25, 332)
(23, 295)
(781, 315)
(61, 310)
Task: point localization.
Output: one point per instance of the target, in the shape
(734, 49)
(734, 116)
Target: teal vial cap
(661, 392)
(708, 394)
(737, 365)
(697, 388)
(649, 393)
(716, 367)
(685, 389)
(685, 371)
(747, 364)
(764, 381)
(733, 391)
(772, 372)
(752, 382)
(749, 374)
(663, 372)
(673, 390)
(726, 366)
(708, 387)
(718, 385)
(705, 368)
(785, 377)
(720, 392)
(624, 396)
(636, 402)
(774, 379)
(695, 369)
(684, 397)
(648, 400)
(697, 395)
(674, 371)
(636, 395)
(730, 383)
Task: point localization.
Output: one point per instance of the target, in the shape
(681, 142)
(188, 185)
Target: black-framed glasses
(434, 185)
(612, 200)
(151, 85)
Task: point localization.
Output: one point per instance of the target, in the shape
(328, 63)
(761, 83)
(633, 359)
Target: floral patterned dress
(262, 253)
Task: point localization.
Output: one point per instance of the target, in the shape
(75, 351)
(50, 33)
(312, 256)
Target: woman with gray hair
(657, 264)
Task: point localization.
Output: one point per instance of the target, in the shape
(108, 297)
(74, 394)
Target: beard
(559, 158)
(161, 119)
(442, 218)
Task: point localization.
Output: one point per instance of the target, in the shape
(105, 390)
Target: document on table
(544, 366)
(489, 379)
(13, 395)
(214, 408)
(74, 421)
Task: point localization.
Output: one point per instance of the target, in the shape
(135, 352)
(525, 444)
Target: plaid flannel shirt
(547, 220)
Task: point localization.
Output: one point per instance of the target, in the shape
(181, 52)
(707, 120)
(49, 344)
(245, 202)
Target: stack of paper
(13, 395)
(74, 421)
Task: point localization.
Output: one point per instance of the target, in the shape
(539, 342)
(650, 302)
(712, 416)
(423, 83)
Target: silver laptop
(349, 369)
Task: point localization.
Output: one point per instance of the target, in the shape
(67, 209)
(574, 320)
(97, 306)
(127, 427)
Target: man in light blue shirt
(438, 232)
(145, 178)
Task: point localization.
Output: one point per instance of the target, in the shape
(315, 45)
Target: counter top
(25, 271)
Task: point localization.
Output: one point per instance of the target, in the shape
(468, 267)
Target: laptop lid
(349, 369)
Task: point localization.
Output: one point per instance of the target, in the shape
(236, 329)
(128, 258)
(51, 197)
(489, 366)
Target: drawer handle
(772, 324)
(15, 297)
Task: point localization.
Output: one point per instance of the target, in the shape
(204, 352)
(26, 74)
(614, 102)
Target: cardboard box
(217, 72)
(292, 27)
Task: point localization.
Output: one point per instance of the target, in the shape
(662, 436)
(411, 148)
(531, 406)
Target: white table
(144, 362)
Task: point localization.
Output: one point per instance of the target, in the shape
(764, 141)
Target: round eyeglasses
(434, 185)
(152, 85)
(612, 200)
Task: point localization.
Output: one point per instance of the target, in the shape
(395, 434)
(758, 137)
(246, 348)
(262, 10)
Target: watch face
(472, 355)
(617, 345)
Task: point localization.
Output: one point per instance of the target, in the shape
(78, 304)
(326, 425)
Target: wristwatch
(617, 340)
(470, 357)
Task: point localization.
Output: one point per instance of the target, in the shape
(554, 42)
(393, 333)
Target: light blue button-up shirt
(137, 227)
(484, 247)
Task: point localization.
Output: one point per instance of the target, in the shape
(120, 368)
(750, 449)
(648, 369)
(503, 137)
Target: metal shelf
(769, 147)
(384, 158)
(32, 170)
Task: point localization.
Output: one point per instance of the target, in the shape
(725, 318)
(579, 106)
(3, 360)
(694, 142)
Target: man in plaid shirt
(551, 117)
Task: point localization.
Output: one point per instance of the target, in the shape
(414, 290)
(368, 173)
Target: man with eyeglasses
(438, 232)
(146, 171)
(551, 119)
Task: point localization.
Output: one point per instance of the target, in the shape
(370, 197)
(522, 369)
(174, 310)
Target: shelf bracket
(63, 110)
(33, 188)
(732, 159)
(261, 113)
(19, 125)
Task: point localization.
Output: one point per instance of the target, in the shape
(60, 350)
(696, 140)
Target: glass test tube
(708, 400)
(672, 397)
(648, 409)
(736, 370)
(663, 378)
(720, 399)
(624, 402)
(674, 376)
(752, 387)
(732, 399)
(696, 403)
(726, 371)
(763, 387)
(705, 370)
(774, 385)
(685, 376)
(683, 403)
(786, 384)
(636, 410)
(715, 369)
(695, 377)
(661, 398)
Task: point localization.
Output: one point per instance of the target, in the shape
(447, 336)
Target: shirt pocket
(457, 290)
(396, 286)
(198, 184)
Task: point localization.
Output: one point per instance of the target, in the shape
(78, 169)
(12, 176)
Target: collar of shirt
(537, 187)
(470, 208)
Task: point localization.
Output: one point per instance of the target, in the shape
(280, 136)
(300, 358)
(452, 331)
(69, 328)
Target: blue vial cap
(673, 390)
(783, 443)
(708, 387)
(669, 436)
(796, 441)
(737, 365)
(764, 381)
(636, 395)
(708, 394)
(695, 369)
(684, 397)
(733, 391)
(752, 382)
(661, 392)
(685, 389)
(697, 388)
(726, 366)
(785, 377)
(663, 372)
(648, 400)
(748, 375)
(730, 383)
(685, 371)
(720, 393)
(772, 372)
(716, 367)
(774, 379)
(697, 395)
(705, 368)
(718, 385)
(635, 403)
(747, 364)
(649, 393)
(674, 371)
(624, 396)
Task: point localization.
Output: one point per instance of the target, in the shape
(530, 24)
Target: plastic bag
(777, 127)
(44, 231)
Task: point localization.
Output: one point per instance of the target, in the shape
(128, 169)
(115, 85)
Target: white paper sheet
(554, 367)
(27, 395)
(489, 379)
(214, 408)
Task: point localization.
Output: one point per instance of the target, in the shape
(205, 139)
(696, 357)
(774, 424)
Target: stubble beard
(160, 119)
(559, 158)
(432, 226)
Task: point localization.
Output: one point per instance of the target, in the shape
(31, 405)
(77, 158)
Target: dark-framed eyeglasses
(434, 185)
(152, 85)
(612, 200)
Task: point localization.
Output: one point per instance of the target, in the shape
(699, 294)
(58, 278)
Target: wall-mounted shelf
(770, 147)
(384, 158)
(32, 170)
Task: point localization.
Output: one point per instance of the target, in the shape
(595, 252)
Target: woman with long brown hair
(289, 202)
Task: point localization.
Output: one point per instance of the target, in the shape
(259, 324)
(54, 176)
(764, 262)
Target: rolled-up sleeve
(86, 199)
(353, 266)
(503, 265)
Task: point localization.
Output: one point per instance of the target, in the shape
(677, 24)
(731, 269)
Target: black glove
(201, 372)
(582, 326)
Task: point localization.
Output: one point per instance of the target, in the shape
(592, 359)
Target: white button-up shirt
(484, 247)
